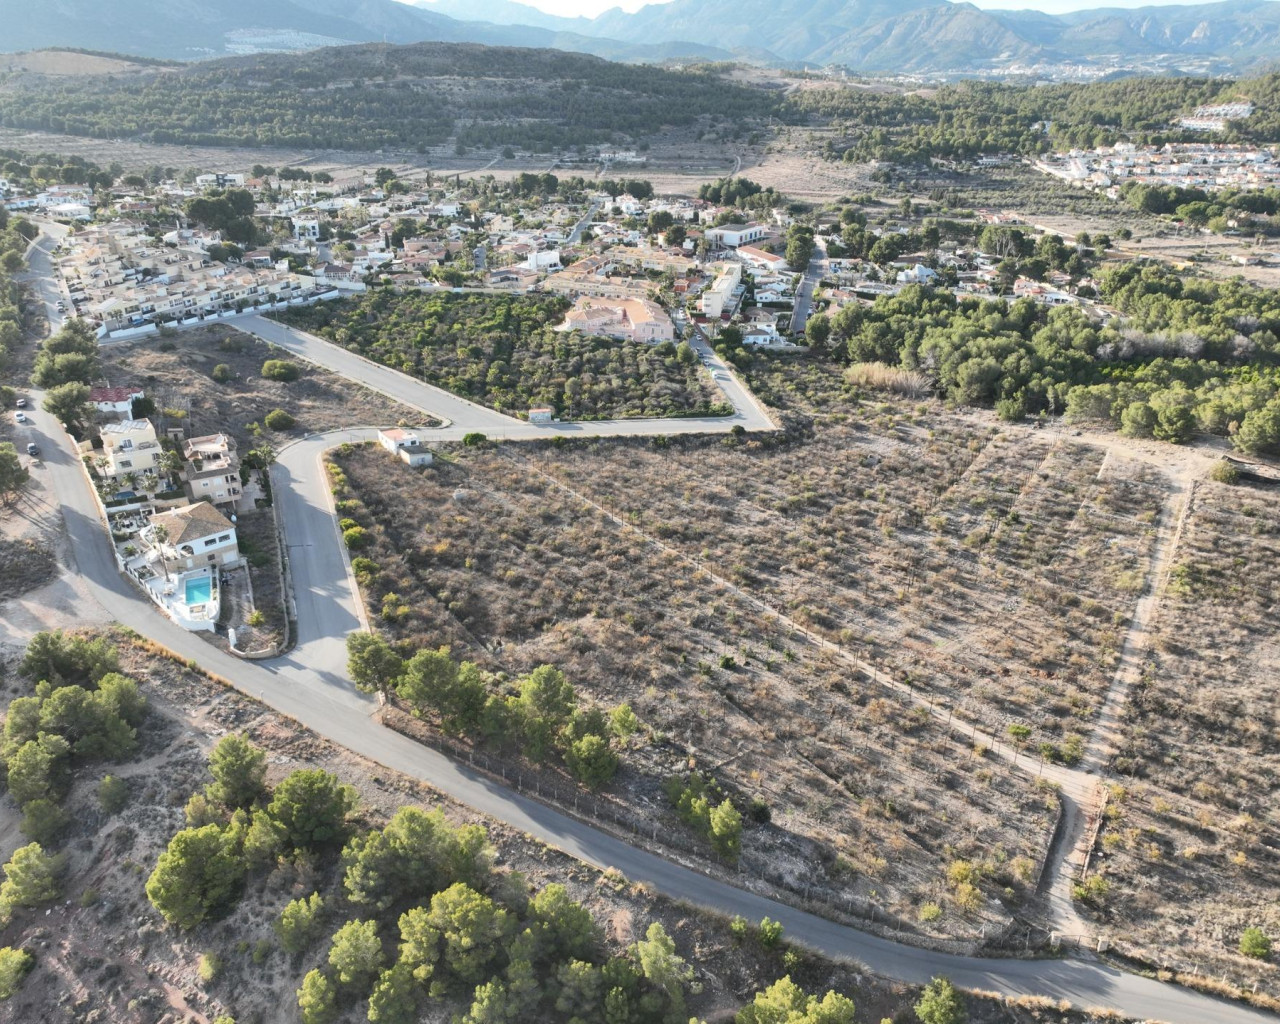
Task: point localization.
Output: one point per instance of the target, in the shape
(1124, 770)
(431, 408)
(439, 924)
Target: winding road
(311, 686)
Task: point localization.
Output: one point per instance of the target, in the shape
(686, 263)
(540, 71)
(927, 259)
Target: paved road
(808, 284)
(322, 699)
(575, 236)
(311, 686)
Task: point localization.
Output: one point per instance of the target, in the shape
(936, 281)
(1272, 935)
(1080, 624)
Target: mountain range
(877, 36)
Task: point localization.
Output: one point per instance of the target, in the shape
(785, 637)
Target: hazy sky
(590, 8)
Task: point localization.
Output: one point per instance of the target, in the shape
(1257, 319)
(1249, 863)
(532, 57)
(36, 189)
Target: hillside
(375, 96)
(188, 30)
(933, 35)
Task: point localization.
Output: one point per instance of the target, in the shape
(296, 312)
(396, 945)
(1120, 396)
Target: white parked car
(20, 416)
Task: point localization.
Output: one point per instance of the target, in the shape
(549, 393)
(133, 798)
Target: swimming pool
(199, 591)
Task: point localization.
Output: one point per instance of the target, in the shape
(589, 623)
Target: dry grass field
(177, 373)
(1192, 842)
(994, 570)
(867, 802)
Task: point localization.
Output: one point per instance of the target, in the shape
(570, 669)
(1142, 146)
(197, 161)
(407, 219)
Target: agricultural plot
(864, 800)
(1190, 845)
(731, 590)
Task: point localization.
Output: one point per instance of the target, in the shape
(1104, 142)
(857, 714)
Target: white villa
(129, 447)
(630, 319)
(178, 562)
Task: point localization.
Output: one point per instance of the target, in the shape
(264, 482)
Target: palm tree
(160, 535)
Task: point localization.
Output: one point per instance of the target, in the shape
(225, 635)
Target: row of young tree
(543, 717)
(1193, 354)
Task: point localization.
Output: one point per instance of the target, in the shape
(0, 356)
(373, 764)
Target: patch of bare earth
(1191, 844)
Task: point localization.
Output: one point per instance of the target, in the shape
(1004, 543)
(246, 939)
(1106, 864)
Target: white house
(919, 274)
(220, 180)
(732, 236)
(114, 401)
(192, 537)
(306, 229)
(406, 445)
(719, 297)
(546, 260)
(763, 260)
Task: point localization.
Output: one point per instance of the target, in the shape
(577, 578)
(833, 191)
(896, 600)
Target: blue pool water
(199, 591)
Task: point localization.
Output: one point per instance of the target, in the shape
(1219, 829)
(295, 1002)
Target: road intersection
(310, 683)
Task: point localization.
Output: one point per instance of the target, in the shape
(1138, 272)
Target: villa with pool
(176, 557)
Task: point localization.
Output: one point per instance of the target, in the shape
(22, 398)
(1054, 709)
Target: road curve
(311, 686)
(320, 697)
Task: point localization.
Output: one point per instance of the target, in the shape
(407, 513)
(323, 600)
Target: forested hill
(376, 96)
(964, 120)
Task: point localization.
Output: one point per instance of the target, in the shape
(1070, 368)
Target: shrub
(1254, 943)
(592, 762)
(940, 1003)
(221, 373)
(356, 537)
(475, 440)
(44, 822)
(281, 370)
(769, 932)
(209, 966)
(278, 419)
(14, 965)
(1224, 473)
(930, 912)
(1093, 890)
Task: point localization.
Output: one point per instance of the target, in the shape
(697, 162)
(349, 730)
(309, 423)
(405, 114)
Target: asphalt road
(311, 686)
(808, 284)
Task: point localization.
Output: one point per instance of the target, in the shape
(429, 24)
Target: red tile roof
(113, 394)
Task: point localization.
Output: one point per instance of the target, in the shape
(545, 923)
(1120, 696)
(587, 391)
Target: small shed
(406, 445)
(541, 414)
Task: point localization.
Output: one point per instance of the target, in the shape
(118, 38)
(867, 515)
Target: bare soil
(495, 557)
(177, 374)
(1191, 838)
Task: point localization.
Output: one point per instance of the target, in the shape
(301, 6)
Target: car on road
(33, 449)
(20, 417)
(21, 403)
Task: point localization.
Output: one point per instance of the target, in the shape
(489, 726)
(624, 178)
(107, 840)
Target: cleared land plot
(177, 373)
(1191, 844)
(492, 557)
